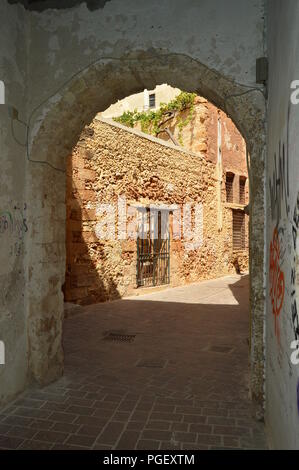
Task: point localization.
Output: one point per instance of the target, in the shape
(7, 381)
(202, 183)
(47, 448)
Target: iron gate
(153, 255)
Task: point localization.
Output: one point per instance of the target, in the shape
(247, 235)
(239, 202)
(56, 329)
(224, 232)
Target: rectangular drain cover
(151, 363)
(119, 337)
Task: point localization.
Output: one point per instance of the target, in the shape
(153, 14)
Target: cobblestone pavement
(180, 383)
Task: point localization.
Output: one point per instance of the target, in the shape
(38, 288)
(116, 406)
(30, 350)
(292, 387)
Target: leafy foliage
(151, 121)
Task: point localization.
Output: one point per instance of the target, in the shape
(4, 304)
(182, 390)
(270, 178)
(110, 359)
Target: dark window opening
(238, 230)
(242, 183)
(153, 251)
(229, 187)
(152, 100)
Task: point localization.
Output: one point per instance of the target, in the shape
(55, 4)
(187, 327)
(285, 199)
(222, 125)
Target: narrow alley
(145, 372)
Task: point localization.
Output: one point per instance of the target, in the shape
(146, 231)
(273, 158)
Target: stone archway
(54, 134)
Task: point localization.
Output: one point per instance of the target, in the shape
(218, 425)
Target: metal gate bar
(153, 259)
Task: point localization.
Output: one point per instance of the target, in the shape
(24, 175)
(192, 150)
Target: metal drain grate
(119, 337)
(151, 363)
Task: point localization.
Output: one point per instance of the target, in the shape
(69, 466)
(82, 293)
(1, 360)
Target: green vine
(151, 121)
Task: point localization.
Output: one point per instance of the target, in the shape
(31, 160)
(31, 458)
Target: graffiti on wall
(279, 184)
(276, 279)
(294, 310)
(280, 208)
(279, 190)
(13, 226)
(283, 248)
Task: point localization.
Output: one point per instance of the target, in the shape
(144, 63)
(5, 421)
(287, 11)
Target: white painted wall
(13, 374)
(282, 377)
(226, 36)
(140, 101)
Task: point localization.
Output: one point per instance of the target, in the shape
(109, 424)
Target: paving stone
(63, 417)
(9, 442)
(90, 430)
(209, 439)
(106, 402)
(232, 430)
(194, 419)
(52, 406)
(91, 421)
(221, 420)
(80, 440)
(66, 428)
(29, 403)
(51, 436)
(156, 434)
(166, 417)
(41, 424)
(180, 427)
(140, 416)
(171, 445)
(185, 437)
(80, 410)
(146, 444)
(111, 433)
(18, 420)
(135, 425)
(4, 428)
(128, 440)
(32, 413)
(159, 425)
(19, 431)
(35, 445)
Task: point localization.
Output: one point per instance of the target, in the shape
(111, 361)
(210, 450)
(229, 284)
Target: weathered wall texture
(199, 133)
(80, 61)
(13, 207)
(282, 377)
(111, 161)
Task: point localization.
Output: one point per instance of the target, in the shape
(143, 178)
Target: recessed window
(238, 230)
(152, 100)
(229, 186)
(242, 184)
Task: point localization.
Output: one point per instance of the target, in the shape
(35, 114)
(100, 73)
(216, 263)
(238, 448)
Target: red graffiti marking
(277, 283)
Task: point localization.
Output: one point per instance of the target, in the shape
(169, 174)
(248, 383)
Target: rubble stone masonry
(111, 160)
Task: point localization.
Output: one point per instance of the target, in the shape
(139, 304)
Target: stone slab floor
(181, 383)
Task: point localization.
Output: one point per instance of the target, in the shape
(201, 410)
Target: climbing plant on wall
(152, 122)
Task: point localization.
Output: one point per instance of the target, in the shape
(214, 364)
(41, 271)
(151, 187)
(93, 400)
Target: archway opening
(71, 108)
(157, 194)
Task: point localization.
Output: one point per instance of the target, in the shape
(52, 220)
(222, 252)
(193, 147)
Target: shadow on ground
(180, 383)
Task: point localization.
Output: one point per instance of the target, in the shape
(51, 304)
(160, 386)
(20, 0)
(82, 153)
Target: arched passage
(58, 123)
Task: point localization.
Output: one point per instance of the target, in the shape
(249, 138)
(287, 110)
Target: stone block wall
(111, 161)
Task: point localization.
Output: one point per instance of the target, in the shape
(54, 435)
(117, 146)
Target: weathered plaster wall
(282, 378)
(79, 62)
(199, 133)
(13, 209)
(111, 162)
